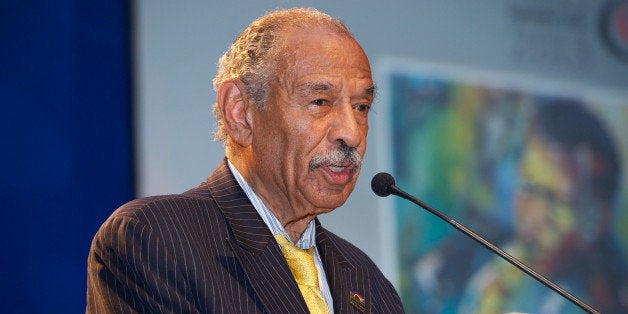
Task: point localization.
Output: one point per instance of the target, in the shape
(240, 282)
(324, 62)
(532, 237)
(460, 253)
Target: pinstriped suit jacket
(208, 251)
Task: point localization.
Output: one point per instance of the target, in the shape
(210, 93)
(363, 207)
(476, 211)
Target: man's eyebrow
(312, 87)
(308, 88)
(370, 91)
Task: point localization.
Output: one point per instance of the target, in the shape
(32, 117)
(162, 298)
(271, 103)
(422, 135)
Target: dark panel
(65, 130)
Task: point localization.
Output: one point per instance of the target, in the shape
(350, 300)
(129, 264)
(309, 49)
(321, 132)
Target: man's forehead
(315, 42)
(319, 60)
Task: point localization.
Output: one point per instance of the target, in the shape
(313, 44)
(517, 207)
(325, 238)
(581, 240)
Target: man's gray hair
(254, 56)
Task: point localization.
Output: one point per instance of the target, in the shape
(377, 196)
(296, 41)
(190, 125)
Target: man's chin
(331, 197)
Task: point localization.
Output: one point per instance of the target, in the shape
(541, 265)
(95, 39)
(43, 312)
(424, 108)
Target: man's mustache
(343, 155)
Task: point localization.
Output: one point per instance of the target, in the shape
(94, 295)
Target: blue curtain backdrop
(66, 144)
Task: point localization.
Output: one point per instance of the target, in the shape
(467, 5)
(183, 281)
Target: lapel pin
(357, 301)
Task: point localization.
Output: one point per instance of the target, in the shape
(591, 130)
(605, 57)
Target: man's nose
(345, 127)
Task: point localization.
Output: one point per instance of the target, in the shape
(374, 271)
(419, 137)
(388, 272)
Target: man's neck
(293, 227)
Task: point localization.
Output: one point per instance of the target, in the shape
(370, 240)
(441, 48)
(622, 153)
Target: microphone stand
(509, 258)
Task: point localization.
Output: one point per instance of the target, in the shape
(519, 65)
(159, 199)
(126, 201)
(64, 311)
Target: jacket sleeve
(130, 270)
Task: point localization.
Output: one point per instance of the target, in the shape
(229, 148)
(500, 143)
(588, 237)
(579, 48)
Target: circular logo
(614, 27)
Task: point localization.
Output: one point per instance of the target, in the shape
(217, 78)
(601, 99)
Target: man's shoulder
(187, 215)
(196, 198)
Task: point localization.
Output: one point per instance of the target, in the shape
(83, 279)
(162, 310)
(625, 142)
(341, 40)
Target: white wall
(177, 45)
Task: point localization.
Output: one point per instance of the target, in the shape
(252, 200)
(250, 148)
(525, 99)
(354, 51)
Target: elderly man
(293, 95)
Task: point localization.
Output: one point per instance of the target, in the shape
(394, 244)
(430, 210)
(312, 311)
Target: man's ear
(233, 103)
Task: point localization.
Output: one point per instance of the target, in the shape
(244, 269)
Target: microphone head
(381, 183)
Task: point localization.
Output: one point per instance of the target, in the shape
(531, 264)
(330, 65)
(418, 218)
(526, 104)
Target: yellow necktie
(301, 263)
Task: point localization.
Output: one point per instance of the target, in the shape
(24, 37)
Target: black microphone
(383, 184)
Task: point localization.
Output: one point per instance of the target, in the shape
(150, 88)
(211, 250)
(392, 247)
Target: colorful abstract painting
(537, 170)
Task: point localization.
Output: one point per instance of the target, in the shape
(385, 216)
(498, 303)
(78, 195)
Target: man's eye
(319, 102)
(362, 107)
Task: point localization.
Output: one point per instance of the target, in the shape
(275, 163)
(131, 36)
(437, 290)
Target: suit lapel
(349, 284)
(254, 247)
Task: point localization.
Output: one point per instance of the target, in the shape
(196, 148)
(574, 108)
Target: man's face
(318, 102)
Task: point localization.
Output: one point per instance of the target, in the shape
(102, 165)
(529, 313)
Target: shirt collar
(308, 237)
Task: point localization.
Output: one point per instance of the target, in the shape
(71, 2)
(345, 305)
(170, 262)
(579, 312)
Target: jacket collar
(349, 283)
(249, 230)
